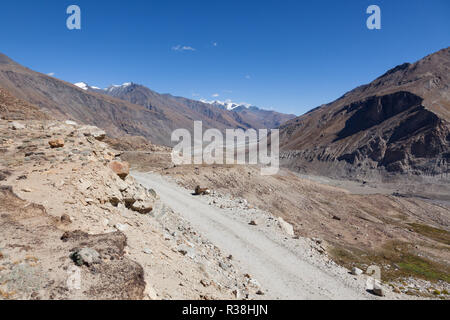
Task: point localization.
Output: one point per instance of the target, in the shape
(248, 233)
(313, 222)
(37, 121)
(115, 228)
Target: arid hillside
(75, 225)
(12, 108)
(408, 237)
(135, 110)
(397, 124)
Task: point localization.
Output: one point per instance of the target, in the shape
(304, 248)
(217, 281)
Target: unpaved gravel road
(281, 273)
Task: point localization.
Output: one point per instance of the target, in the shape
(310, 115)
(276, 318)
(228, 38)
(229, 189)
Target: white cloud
(248, 76)
(51, 74)
(215, 44)
(182, 48)
(215, 95)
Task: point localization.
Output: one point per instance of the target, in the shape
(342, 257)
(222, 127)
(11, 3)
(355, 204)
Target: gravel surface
(286, 267)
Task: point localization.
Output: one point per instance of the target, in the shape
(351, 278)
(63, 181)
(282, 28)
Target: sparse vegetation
(436, 234)
(402, 261)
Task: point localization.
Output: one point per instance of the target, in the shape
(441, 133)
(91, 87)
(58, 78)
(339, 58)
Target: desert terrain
(356, 226)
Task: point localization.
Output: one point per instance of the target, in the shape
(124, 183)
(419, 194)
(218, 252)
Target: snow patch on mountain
(227, 104)
(82, 85)
(118, 86)
(85, 86)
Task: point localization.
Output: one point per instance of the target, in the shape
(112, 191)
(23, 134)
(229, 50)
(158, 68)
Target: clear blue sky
(287, 55)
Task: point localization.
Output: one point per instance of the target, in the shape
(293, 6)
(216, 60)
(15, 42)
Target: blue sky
(287, 55)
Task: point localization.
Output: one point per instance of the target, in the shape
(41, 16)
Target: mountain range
(123, 110)
(249, 116)
(398, 123)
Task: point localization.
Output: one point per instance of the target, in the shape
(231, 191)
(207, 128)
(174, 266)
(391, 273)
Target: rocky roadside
(75, 225)
(316, 250)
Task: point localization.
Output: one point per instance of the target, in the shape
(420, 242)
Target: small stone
(253, 223)
(89, 200)
(378, 290)
(336, 218)
(57, 143)
(260, 293)
(148, 251)
(121, 227)
(224, 266)
(357, 271)
(186, 251)
(16, 126)
(205, 283)
(66, 219)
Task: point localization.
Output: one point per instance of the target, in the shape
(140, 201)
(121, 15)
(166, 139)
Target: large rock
(286, 227)
(356, 271)
(122, 169)
(139, 199)
(86, 256)
(57, 143)
(143, 207)
(378, 289)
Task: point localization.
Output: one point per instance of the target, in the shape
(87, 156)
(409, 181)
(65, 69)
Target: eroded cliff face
(397, 125)
(393, 133)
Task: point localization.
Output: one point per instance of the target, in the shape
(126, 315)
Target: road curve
(281, 273)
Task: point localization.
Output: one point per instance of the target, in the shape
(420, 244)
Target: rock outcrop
(71, 228)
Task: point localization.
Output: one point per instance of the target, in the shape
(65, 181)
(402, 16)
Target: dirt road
(281, 273)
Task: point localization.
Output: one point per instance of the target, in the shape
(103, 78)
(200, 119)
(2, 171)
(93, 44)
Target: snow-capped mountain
(116, 87)
(86, 87)
(227, 104)
(215, 114)
(112, 88)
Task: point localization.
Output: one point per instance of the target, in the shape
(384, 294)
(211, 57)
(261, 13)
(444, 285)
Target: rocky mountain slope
(12, 108)
(75, 225)
(399, 123)
(407, 237)
(239, 116)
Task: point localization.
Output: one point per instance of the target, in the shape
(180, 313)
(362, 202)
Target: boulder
(66, 219)
(142, 207)
(286, 227)
(86, 256)
(186, 251)
(122, 169)
(357, 271)
(57, 143)
(91, 131)
(201, 191)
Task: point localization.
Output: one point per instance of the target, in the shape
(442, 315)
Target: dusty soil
(55, 201)
(408, 237)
